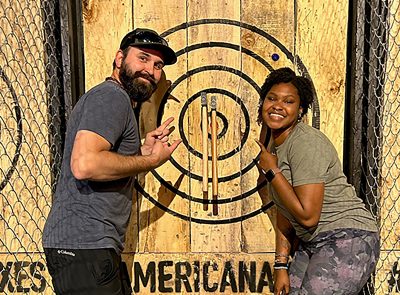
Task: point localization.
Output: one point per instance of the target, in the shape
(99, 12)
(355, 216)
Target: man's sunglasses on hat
(150, 39)
(143, 37)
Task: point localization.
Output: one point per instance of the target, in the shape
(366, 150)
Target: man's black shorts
(97, 271)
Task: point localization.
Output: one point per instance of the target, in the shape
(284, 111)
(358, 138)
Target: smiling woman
(281, 108)
(316, 205)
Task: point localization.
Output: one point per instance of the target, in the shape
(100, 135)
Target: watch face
(269, 175)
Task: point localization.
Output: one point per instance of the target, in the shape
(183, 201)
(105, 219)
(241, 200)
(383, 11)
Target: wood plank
(215, 237)
(24, 273)
(266, 30)
(24, 149)
(321, 41)
(202, 273)
(161, 231)
(105, 24)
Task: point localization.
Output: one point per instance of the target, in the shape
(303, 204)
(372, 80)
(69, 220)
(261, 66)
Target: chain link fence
(373, 120)
(32, 123)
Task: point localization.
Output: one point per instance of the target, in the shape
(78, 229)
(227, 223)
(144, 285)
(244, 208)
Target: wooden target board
(25, 156)
(175, 243)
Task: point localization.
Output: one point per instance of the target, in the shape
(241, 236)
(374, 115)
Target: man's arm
(92, 159)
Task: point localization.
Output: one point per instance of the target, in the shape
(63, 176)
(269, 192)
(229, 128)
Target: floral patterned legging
(340, 262)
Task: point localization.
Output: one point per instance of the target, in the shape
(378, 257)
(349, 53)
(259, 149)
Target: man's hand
(160, 134)
(92, 159)
(162, 150)
(156, 143)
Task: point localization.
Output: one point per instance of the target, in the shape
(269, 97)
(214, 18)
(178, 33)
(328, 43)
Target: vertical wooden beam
(161, 232)
(72, 22)
(105, 24)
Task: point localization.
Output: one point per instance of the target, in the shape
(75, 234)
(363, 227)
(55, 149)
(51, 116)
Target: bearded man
(84, 234)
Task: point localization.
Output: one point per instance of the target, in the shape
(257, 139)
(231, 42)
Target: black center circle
(223, 131)
(223, 118)
(221, 157)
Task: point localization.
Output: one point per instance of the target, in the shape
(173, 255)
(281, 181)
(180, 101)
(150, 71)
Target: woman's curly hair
(303, 85)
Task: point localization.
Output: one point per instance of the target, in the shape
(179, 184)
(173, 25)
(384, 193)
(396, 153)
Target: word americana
(22, 277)
(183, 276)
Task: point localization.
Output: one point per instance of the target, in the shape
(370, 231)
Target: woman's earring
(299, 117)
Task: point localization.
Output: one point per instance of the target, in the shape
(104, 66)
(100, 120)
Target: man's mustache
(150, 78)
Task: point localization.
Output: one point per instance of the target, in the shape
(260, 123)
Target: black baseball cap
(149, 39)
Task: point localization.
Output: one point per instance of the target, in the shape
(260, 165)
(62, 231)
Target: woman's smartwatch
(270, 174)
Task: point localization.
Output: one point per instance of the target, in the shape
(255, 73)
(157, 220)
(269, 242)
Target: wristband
(281, 265)
(270, 174)
(281, 255)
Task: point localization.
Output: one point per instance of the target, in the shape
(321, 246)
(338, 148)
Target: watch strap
(270, 174)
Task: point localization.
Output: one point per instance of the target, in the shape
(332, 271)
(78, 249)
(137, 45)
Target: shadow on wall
(140, 220)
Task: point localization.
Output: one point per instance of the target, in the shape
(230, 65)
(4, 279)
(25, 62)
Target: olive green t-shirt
(307, 156)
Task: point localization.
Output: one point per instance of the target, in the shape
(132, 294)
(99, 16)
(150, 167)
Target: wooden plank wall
(25, 175)
(226, 48)
(24, 147)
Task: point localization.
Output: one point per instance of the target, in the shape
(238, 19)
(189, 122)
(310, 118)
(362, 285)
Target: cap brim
(168, 54)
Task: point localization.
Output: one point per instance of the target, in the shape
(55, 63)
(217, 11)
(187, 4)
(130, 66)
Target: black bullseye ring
(223, 118)
(200, 220)
(223, 131)
(315, 120)
(18, 138)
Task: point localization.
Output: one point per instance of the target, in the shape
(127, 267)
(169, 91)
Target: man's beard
(137, 90)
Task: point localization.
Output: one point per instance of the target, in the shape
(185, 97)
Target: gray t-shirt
(307, 156)
(89, 214)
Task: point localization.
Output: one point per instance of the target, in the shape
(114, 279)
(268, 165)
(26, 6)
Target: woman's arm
(303, 202)
(284, 235)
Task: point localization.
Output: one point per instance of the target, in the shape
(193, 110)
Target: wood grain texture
(216, 238)
(203, 273)
(25, 273)
(320, 42)
(25, 146)
(276, 18)
(105, 23)
(161, 231)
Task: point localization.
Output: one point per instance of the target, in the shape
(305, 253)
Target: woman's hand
(268, 160)
(282, 282)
